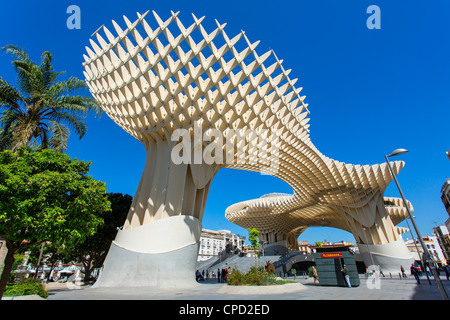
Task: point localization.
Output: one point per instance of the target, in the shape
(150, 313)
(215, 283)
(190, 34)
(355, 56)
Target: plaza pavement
(303, 289)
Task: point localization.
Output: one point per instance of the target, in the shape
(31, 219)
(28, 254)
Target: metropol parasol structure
(200, 101)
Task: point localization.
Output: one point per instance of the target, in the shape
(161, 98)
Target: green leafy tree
(41, 111)
(46, 196)
(253, 237)
(92, 251)
(294, 272)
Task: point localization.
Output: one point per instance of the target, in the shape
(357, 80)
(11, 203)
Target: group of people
(417, 271)
(221, 275)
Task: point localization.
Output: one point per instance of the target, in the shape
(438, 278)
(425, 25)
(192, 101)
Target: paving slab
(304, 289)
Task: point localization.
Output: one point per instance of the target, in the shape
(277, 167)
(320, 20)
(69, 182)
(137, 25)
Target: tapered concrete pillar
(388, 257)
(158, 244)
(167, 189)
(378, 239)
(161, 254)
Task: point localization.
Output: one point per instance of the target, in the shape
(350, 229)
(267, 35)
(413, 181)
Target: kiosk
(329, 263)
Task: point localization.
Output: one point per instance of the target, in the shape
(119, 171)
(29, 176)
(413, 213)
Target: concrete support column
(158, 244)
(167, 189)
(162, 253)
(389, 257)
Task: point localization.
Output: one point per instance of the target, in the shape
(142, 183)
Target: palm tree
(41, 111)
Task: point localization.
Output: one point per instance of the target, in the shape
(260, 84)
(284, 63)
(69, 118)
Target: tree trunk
(9, 261)
(36, 275)
(87, 269)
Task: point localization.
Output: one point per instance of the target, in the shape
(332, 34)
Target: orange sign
(331, 255)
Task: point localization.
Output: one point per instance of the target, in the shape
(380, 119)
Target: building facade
(433, 246)
(445, 197)
(443, 237)
(214, 242)
(304, 247)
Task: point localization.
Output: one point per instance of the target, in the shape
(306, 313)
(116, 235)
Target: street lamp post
(263, 243)
(424, 247)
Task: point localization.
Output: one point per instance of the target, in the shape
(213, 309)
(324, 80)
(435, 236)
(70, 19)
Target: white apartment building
(213, 242)
(445, 197)
(443, 238)
(433, 247)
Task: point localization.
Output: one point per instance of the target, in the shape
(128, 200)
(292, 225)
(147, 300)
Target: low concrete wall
(159, 254)
(388, 256)
(262, 290)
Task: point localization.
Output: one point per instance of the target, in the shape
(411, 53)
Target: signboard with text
(331, 255)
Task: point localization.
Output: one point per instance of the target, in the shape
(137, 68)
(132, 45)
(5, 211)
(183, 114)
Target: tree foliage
(26, 287)
(253, 235)
(93, 250)
(41, 111)
(46, 196)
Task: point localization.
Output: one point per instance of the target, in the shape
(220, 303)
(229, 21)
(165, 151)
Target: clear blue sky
(369, 91)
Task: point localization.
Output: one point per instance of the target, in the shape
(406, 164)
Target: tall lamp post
(262, 244)
(424, 247)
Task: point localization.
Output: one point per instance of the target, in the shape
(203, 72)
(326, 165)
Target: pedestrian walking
(224, 275)
(381, 271)
(428, 271)
(346, 275)
(228, 273)
(403, 271)
(314, 273)
(218, 275)
(415, 273)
